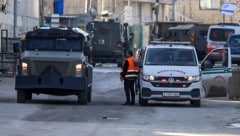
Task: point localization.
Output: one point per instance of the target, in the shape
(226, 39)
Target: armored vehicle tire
(21, 96)
(89, 94)
(195, 103)
(82, 97)
(142, 102)
(28, 96)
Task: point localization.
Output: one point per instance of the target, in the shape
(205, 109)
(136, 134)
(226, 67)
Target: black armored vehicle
(107, 42)
(55, 61)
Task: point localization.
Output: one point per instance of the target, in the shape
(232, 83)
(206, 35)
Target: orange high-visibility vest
(132, 72)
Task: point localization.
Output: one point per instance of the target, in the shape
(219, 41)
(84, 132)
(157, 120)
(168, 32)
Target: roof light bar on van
(170, 42)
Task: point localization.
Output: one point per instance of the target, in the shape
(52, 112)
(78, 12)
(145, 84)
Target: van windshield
(218, 34)
(173, 56)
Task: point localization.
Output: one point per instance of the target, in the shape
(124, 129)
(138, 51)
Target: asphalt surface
(105, 116)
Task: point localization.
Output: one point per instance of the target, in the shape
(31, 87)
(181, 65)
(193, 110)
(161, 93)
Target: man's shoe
(132, 103)
(126, 103)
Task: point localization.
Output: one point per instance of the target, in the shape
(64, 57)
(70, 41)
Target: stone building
(24, 17)
(141, 16)
(144, 13)
(70, 6)
(205, 11)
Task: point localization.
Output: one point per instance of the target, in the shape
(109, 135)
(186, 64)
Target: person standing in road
(129, 75)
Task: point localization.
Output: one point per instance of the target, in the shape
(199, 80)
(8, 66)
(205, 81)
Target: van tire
(21, 96)
(82, 98)
(196, 103)
(142, 101)
(89, 96)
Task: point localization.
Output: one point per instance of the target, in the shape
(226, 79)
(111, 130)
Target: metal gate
(8, 58)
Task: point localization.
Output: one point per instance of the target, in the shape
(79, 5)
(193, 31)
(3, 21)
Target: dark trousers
(129, 89)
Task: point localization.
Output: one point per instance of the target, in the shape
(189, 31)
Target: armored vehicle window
(69, 44)
(39, 43)
(173, 56)
(54, 44)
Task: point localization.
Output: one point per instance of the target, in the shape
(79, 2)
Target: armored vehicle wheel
(82, 98)
(21, 96)
(142, 102)
(28, 96)
(196, 103)
(89, 94)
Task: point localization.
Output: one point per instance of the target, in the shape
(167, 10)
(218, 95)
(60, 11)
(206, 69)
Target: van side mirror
(86, 50)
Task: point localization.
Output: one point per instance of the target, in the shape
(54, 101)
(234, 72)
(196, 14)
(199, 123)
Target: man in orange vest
(129, 75)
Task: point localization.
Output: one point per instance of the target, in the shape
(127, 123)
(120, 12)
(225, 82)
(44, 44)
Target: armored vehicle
(106, 42)
(194, 33)
(54, 61)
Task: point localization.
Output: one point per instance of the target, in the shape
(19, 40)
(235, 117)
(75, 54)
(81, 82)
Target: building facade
(205, 11)
(142, 11)
(19, 18)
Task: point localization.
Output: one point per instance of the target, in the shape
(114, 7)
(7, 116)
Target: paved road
(105, 116)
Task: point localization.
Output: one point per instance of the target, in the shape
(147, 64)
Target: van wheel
(195, 103)
(89, 94)
(21, 96)
(82, 98)
(142, 101)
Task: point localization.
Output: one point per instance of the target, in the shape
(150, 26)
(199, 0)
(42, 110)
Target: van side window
(217, 63)
(220, 34)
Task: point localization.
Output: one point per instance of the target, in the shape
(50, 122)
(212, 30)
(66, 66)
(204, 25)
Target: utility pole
(129, 2)
(41, 13)
(114, 6)
(173, 9)
(157, 10)
(14, 18)
(222, 2)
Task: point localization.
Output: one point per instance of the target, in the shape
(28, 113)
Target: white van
(170, 71)
(218, 34)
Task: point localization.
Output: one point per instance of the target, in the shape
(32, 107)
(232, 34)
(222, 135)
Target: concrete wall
(142, 10)
(74, 6)
(27, 17)
(28, 14)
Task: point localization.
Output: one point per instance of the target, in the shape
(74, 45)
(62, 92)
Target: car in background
(217, 37)
(233, 42)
